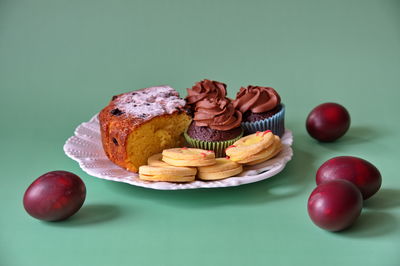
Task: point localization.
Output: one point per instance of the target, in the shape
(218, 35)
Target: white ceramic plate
(85, 147)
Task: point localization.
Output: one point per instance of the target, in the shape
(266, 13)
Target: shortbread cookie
(193, 162)
(222, 169)
(188, 157)
(221, 164)
(167, 178)
(278, 150)
(167, 173)
(250, 145)
(188, 154)
(264, 154)
(155, 160)
(220, 175)
(167, 170)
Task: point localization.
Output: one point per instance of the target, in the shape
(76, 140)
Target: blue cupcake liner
(275, 123)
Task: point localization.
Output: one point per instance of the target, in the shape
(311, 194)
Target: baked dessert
(215, 125)
(203, 90)
(167, 173)
(261, 108)
(138, 124)
(255, 148)
(223, 168)
(188, 157)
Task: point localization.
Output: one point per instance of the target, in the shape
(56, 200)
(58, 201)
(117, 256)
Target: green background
(61, 61)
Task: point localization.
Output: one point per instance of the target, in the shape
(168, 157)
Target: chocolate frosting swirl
(205, 89)
(256, 99)
(217, 114)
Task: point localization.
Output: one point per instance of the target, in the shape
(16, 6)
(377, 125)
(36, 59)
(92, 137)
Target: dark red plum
(360, 172)
(55, 196)
(335, 205)
(328, 122)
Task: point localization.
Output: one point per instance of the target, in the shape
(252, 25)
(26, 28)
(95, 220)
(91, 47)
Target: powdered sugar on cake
(150, 102)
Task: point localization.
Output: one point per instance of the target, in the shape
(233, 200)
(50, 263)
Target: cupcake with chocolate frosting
(205, 89)
(216, 125)
(261, 108)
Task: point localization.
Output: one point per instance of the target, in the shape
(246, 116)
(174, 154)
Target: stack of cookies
(255, 148)
(223, 168)
(184, 164)
(188, 157)
(167, 173)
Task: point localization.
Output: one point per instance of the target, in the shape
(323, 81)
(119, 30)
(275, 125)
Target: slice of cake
(138, 124)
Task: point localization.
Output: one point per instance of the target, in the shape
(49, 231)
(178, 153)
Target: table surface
(61, 61)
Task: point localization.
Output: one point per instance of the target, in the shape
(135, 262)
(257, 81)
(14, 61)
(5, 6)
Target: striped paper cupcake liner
(217, 146)
(275, 123)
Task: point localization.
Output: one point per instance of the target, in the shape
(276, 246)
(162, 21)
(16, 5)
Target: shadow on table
(355, 135)
(373, 221)
(90, 214)
(385, 198)
(289, 183)
(372, 224)
(359, 134)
